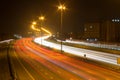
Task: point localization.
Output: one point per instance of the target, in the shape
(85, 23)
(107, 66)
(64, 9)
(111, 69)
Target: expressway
(33, 62)
(4, 66)
(90, 54)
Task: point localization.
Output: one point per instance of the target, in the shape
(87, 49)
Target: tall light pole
(61, 8)
(41, 18)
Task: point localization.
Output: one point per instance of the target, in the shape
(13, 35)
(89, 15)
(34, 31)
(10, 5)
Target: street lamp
(61, 8)
(34, 23)
(41, 18)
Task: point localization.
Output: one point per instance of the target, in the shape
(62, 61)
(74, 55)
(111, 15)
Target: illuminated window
(85, 29)
(115, 20)
(91, 26)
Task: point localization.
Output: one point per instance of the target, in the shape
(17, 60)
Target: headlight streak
(108, 46)
(99, 56)
(6, 41)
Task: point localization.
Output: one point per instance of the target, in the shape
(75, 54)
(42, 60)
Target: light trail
(45, 62)
(30, 54)
(100, 45)
(6, 41)
(90, 54)
(37, 29)
(46, 31)
(64, 66)
(85, 70)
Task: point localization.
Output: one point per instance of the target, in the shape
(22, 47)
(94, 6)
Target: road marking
(24, 67)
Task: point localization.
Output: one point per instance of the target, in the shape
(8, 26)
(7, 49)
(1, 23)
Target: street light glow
(41, 18)
(34, 23)
(61, 7)
(32, 26)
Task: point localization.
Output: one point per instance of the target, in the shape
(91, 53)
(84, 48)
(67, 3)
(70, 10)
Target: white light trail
(6, 41)
(108, 46)
(90, 54)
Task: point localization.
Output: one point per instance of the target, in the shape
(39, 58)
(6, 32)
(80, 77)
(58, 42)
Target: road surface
(41, 63)
(30, 61)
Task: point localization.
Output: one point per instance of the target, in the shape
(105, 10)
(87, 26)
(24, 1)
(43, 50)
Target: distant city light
(91, 26)
(115, 20)
(41, 18)
(34, 23)
(17, 36)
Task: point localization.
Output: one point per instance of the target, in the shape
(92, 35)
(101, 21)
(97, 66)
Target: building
(91, 31)
(106, 30)
(110, 30)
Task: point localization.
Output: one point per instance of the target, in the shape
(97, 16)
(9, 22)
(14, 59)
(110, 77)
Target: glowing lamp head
(41, 18)
(34, 23)
(61, 7)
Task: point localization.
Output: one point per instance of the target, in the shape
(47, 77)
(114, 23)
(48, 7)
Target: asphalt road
(4, 66)
(29, 61)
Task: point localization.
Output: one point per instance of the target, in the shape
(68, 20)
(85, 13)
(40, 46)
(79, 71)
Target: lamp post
(41, 18)
(61, 8)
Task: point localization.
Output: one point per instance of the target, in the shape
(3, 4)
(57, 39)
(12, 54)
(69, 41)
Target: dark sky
(16, 15)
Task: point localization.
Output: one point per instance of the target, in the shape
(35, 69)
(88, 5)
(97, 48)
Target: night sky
(16, 16)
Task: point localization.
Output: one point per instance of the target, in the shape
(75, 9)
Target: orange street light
(34, 23)
(61, 7)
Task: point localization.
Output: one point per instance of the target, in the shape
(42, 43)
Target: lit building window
(91, 26)
(115, 20)
(112, 20)
(85, 29)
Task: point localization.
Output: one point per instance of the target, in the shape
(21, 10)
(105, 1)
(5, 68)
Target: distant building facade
(106, 30)
(91, 31)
